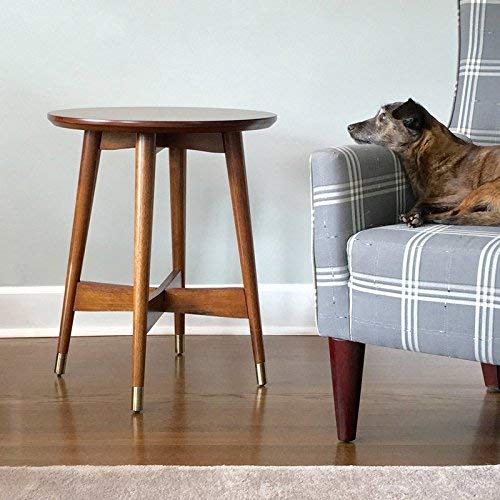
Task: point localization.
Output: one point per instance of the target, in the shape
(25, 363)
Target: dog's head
(396, 126)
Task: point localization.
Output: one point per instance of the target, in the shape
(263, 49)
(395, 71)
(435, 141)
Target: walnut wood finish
(204, 409)
(223, 302)
(235, 159)
(491, 375)
(83, 207)
(177, 164)
(156, 299)
(208, 142)
(346, 364)
(143, 227)
(91, 296)
(158, 119)
(149, 130)
(168, 297)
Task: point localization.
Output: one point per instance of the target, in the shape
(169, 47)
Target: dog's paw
(412, 219)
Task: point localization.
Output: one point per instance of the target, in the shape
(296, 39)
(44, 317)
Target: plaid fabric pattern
(354, 187)
(477, 113)
(434, 289)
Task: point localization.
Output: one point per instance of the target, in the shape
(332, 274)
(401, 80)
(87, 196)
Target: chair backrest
(476, 113)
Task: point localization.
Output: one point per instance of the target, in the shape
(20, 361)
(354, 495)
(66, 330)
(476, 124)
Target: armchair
(435, 289)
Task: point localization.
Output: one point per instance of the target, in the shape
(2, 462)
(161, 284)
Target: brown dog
(454, 181)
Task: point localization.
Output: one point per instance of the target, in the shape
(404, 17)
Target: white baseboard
(287, 309)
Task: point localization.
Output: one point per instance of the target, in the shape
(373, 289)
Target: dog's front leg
(413, 218)
(426, 209)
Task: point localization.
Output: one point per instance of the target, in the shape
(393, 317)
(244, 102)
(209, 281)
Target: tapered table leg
(83, 207)
(177, 159)
(233, 146)
(145, 157)
(346, 361)
(491, 375)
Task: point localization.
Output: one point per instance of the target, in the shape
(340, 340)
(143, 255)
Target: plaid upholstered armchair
(435, 289)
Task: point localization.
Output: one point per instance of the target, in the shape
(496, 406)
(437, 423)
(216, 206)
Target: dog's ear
(413, 115)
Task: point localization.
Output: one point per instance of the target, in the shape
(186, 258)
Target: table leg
(177, 160)
(235, 159)
(145, 157)
(83, 208)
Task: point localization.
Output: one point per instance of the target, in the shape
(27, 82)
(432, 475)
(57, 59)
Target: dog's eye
(381, 117)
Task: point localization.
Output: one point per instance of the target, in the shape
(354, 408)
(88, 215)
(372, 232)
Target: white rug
(249, 482)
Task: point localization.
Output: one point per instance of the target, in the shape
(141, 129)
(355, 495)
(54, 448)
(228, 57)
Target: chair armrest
(353, 188)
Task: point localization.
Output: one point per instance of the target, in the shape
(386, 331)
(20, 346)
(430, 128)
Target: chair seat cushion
(434, 289)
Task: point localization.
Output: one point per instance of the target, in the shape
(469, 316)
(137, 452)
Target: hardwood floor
(205, 408)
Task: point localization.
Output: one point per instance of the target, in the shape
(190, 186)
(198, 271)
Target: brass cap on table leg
(179, 345)
(60, 366)
(260, 370)
(137, 397)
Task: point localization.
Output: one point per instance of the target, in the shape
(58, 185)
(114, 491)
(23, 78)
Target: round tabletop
(162, 119)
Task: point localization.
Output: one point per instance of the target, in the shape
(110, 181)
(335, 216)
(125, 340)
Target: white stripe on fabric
(475, 49)
(491, 303)
(333, 194)
(489, 138)
(479, 67)
(461, 111)
(483, 140)
(470, 2)
(357, 189)
(359, 174)
(326, 277)
(430, 295)
(472, 48)
(414, 284)
(400, 185)
(354, 183)
(451, 230)
(480, 72)
(488, 311)
(354, 197)
(468, 83)
(422, 298)
(431, 287)
(484, 62)
(494, 133)
(331, 269)
(408, 297)
(332, 283)
(350, 244)
(405, 292)
(475, 77)
(483, 307)
(332, 276)
(366, 182)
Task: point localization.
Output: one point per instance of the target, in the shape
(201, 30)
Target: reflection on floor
(204, 408)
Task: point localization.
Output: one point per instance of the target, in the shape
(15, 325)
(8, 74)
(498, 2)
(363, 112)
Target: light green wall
(318, 64)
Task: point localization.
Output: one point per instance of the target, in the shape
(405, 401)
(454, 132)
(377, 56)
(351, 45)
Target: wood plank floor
(205, 409)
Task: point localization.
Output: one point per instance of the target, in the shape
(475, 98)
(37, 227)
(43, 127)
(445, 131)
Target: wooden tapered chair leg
(491, 375)
(346, 361)
(233, 146)
(177, 160)
(83, 208)
(145, 157)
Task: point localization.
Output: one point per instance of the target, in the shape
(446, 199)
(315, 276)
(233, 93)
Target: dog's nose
(350, 128)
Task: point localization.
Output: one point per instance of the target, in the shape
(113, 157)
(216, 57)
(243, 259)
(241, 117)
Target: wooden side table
(149, 130)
